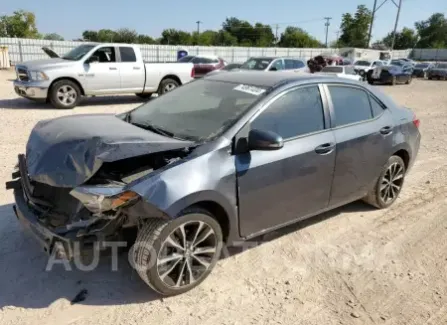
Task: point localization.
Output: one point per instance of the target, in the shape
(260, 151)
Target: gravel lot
(354, 265)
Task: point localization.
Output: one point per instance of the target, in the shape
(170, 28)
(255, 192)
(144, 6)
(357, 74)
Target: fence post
(157, 53)
(288, 51)
(51, 46)
(20, 51)
(232, 55)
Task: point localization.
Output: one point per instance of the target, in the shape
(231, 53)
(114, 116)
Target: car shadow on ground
(23, 103)
(25, 280)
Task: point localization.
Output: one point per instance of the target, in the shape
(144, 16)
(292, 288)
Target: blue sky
(70, 18)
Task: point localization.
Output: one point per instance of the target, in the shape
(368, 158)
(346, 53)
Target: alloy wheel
(66, 95)
(186, 254)
(168, 87)
(391, 183)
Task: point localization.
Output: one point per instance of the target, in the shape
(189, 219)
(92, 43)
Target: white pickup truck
(97, 69)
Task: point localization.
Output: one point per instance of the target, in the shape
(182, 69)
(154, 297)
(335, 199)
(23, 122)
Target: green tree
(354, 29)
(175, 37)
(90, 35)
(224, 38)
(405, 39)
(145, 39)
(433, 31)
(125, 35)
(53, 37)
(206, 38)
(106, 35)
(297, 37)
(21, 24)
(242, 30)
(263, 35)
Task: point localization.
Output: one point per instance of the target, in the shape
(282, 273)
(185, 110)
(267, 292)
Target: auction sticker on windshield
(252, 90)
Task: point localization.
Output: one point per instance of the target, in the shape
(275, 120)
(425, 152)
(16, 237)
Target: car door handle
(386, 130)
(112, 68)
(325, 148)
(136, 68)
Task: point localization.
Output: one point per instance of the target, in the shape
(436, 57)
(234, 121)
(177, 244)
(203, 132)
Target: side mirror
(264, 140)
(273, 69)
(92, 59)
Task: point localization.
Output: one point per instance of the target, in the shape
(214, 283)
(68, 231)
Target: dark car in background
(204, 64)
(390, 74)
(421, 70)
(219, 160)
(438, 71)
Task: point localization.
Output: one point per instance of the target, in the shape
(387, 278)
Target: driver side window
(105, 54)
(278, 64)
(297, 112)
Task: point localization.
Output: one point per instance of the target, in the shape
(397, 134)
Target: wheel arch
(71, 79)
(171, 76)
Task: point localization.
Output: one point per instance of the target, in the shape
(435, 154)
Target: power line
(277, 24)
(327, 26)
(396, 23)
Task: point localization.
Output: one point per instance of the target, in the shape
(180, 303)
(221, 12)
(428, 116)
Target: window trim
(332, 111)
(117, 50)
(265, 106)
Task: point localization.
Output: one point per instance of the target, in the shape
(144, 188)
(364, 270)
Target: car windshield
(422, 65)
(396, 62)
(441, 66)
(78, 52)
(363, 63)
(199, 111)
(187, 58)
(333, 69)
(256, 64)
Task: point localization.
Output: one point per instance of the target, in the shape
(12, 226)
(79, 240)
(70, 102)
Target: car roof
(270, 79)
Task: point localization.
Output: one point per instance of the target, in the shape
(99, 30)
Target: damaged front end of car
(100, 209)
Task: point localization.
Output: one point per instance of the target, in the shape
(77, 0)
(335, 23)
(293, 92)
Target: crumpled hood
(67, 151)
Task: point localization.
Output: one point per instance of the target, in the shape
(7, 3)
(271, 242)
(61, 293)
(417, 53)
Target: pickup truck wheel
(64, 94)
(166, 85)
(173, 257)
(144, 95)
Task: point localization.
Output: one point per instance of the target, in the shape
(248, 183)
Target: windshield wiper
(153, 128)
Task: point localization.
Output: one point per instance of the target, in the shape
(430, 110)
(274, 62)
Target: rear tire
(144, 95)
(167, 85)
(388, 184)
(175, 256)
(64, 94)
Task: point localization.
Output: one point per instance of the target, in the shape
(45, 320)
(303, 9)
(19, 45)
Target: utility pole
(276, 34)
(338, 36)
(327, 26)
(198, 26)
(397, 22)
(372, 22)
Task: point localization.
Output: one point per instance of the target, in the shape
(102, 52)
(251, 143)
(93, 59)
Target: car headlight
(38, 75)
(100, 199)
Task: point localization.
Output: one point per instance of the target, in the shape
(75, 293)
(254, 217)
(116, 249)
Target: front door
(102, 75)
(278, 187)
(363, 131)
(132, 73)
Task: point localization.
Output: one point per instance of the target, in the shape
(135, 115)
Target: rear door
(363, 130)
(132, 74)
(102, 76)
(279, 187)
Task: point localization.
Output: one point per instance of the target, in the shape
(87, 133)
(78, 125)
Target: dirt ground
(354, 265)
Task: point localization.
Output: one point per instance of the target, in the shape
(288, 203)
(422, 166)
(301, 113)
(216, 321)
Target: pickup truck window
(78, 52)
(127, 54)
(105, 54)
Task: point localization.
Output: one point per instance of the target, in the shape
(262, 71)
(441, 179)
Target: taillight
(416, 121)
(193, 72)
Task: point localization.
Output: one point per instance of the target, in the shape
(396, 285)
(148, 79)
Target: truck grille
(22, 74)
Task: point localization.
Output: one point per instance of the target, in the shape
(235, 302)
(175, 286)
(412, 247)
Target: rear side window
(351, 105)
(297, 112)
(127, 54)
(293, 64)
(376, 107)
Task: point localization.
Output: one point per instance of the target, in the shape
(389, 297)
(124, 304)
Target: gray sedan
(216, 161)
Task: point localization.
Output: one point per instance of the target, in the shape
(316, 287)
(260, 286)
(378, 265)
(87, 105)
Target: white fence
(31, 49)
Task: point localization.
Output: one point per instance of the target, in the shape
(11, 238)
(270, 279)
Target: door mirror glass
(264, 140)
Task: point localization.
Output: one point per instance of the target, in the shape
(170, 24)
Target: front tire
(388, 185)
(167, 85)
(175, 256)
(64, 94)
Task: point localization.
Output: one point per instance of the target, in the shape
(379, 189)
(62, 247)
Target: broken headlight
(101, 199)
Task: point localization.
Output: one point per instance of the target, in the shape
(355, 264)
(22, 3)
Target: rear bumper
(31, 90)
